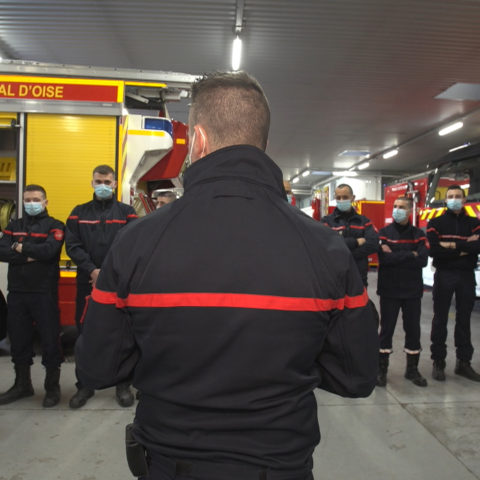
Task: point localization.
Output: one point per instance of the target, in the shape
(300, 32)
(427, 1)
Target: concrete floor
(399, 432)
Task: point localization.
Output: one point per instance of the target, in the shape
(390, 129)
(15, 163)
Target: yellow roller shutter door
(62, 151)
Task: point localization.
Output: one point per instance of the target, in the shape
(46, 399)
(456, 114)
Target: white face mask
(191, 147)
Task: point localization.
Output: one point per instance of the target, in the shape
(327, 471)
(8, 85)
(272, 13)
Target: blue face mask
(454, 204)
(103, 191)
(399, 215)
(33, 208)
(344, 205)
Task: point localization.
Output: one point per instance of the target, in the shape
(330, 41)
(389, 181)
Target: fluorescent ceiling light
(363, 166)
(390, 153)
(236, 53)
(346, 173)
(465, 185)
(459, 147)
(451, 128)
(354, 153)
(296, 180)
(306, 173)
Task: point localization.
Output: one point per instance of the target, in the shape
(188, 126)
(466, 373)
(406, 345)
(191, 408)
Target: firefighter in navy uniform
(358, 232)
(31, 245)
(91, 229)
(403, 254)
(454, 246)
(257, 305)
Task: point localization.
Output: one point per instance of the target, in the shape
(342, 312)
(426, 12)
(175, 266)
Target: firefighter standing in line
(164, 198)
(31, 245)
(228, 344)
(358, 232)
(91, 229)
(403, 254)
(454, 246)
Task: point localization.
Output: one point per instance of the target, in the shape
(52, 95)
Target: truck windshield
(465, 173)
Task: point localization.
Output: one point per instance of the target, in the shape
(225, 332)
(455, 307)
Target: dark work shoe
(438, 372)
(124, 395)
(465, 370)
(81, 397)
(382, 379)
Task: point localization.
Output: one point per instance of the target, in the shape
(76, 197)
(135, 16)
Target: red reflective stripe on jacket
(42, 235)
(230, 300)
(415, 240)
(115, 221)
(457, 237)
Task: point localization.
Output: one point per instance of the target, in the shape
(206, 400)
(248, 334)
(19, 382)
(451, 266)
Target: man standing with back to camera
(91, 229)
(257, 306)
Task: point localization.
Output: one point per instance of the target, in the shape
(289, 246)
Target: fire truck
(461, 167)
(57, 122)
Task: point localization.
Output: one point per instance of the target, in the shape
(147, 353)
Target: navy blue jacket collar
(240, 162)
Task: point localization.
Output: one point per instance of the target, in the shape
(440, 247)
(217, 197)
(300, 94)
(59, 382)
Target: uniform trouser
(445, 284)
(27, 311)
(161, 468)
(84, 289)
(411, 311)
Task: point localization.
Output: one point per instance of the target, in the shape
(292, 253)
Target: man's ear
(200, 147)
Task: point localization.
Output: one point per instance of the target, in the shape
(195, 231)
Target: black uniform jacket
(451, 227)
(400, 272)
(42, 239)
(351, 225)
(229, 307)
(91, 229)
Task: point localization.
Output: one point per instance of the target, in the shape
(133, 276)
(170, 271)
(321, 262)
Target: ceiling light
(364, 165)
(390, 153)
(346, 173)
(451, 128)
(306, 173)
(296, 180)
(459, 147)
(236, 53)
(354, 153)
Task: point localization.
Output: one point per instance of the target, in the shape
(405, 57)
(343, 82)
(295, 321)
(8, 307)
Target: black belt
(221, 471)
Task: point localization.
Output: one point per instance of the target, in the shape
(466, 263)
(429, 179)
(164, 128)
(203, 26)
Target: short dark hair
(345, 185)
(455, 187)
(406, 199)
(104, 170)
(35, 188)
(232, 108)
(169, 195)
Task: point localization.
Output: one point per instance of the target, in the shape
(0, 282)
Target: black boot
(21, 388)
(124, 395)
(80, 398)
(383, 361)
(438, 371)
(52, 387)
(412, 372)
(464, 369)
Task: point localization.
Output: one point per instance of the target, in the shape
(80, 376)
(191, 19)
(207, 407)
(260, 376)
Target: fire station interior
(381, 95)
